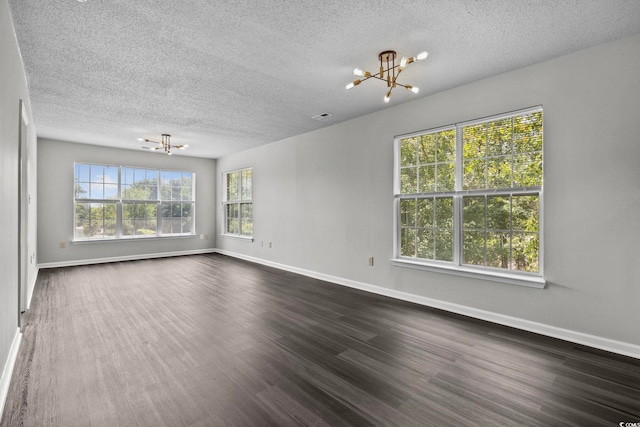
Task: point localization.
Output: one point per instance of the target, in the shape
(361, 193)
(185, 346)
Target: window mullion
(119, 205)
(457, 200)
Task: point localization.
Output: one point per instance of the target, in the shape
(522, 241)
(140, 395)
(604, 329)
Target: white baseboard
(135, 257)
(5, 380)
(619, 347)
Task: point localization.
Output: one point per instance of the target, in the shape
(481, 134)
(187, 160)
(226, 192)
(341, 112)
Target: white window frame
(535, 280)
(239, 203)
(119, 202)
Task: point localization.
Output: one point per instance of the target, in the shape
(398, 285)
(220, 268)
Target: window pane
(232, 226)
(444, 244)
(247, 184)
(246, 227)
(427, 179)
(444, 212)
(111, 191)
(473, 213)
(408, 180)
(82, 172)
(526, 213)
(408, 152)
(527, 170)
(407, 212)
(474, 174)
(498, 249)
(81, 190)
(525, 251)
(425, 213)
(232, 210)
(425, 243)
(474, 141)
(499, 138)
(139, 184)
(445, 176)
(232, 186)
(139, 219)
(499, 172)
(82, 220)
(446, 146)
(408, 242)
(473, 249)
(95, 220)
(187, 224)
(246, 211)
(427, 149)
(527, 133)
(498, 213)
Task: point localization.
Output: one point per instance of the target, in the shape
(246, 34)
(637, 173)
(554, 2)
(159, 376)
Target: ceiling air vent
(321, 116)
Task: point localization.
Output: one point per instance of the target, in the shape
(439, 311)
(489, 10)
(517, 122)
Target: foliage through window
(469, 195)
(238, 205)
(123, 202)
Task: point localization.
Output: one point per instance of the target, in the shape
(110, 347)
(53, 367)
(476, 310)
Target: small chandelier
(165, 144)
(390, 73)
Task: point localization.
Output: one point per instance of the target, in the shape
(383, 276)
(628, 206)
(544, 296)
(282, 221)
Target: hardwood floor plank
(208, 340)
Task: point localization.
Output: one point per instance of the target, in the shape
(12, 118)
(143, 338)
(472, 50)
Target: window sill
(129, 239)
(495, 276)
(237, 236)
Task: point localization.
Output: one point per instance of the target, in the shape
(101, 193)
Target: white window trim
(535, 280)
(225, 202)
(119, 237)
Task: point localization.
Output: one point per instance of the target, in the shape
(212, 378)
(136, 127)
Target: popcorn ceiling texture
(228, 76)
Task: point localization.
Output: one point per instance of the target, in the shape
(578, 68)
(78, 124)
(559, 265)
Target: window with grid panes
(238, 205)
(127, 202)
(468, 196)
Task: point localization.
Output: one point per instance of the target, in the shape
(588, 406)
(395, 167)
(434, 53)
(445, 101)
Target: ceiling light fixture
(165, 144)
(390, 73)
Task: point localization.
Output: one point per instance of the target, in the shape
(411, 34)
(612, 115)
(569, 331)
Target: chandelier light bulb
(349, 86)
(403, 62)
(358, 72)
(421, 56)
(387, 97)
(415, 89)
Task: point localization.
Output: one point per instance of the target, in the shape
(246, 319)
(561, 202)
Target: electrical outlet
(63, 245)
(202, 237)
(370, 260)
(206, 237)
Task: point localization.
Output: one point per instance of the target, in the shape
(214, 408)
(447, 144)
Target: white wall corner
(619, 347)
(7, 372)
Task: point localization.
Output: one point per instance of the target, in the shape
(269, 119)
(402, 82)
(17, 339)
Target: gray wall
(13, 88)
(55, 202)
(325, 199)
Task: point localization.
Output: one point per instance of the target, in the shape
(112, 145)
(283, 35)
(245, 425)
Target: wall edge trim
(602, 343)
(7, 372)
(32, 286)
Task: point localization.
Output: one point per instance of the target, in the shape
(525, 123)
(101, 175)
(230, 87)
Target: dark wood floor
(209, 340)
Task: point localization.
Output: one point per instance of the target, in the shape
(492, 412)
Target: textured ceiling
(227, 76)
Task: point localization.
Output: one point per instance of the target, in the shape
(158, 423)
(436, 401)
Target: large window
(468, 197)
(114, 202)
(238, 205)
